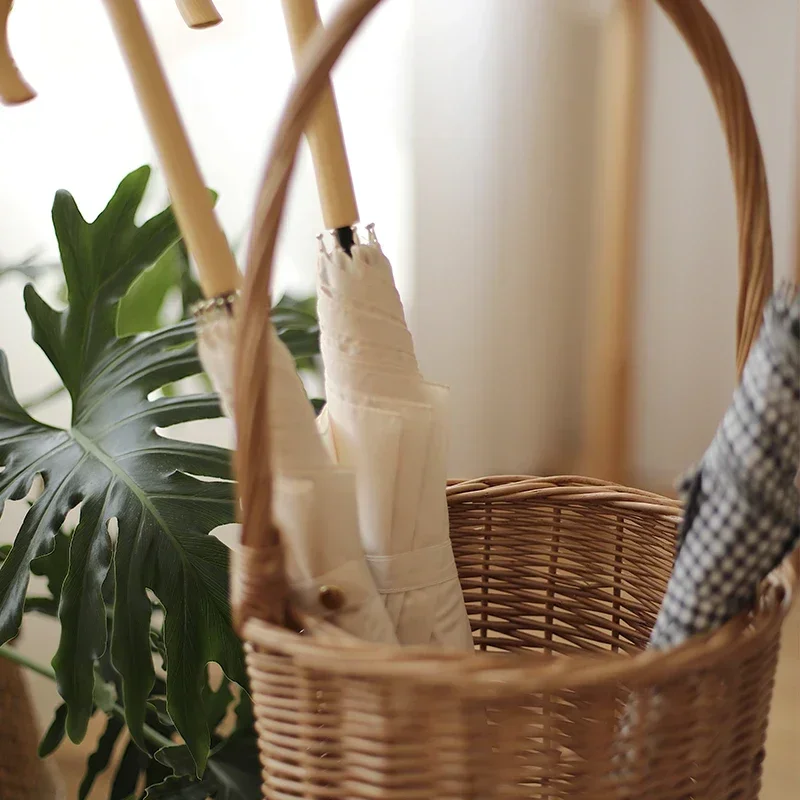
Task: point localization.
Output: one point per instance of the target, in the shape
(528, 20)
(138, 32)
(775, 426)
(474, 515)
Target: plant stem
(40, 669)
(149, 733)
(17, 657)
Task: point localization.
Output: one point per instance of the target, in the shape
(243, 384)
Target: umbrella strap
(354, 581)
(414, 569)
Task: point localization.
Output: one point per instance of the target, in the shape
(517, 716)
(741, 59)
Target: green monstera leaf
(297, 325)
(163, 496)
(233, 772)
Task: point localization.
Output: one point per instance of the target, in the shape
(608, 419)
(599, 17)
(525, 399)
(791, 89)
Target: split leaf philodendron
(140, 576)
(114, 463)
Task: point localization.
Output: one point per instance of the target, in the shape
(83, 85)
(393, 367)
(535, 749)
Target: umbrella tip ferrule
(346, 238)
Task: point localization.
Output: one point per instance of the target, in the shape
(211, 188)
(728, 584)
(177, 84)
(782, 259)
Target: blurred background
(475, 131)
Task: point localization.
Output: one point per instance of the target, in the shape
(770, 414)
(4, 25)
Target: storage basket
(23, 776)
(562, 577)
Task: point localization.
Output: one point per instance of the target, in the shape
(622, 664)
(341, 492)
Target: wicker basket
(562, 577)
(23, 776)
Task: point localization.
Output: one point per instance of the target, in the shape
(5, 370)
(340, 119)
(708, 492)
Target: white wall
(503, 116)
(503, 144)
(687, 293)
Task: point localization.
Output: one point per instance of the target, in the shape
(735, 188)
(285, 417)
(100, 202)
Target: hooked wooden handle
(266, 598)
(191, 200)
(324, 129)
(14, 89)
(199, 13)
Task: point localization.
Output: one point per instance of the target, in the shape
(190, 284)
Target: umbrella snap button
(331, 597)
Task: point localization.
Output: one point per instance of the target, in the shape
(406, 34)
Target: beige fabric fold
(314, 499)
(389, 425)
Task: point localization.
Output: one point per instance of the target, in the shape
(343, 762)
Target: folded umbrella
(314, 499)
(742, 502)
(381, 418)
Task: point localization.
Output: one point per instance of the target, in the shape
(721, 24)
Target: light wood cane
(606, 408)
(14, 89)
(324, 130)
(191, 200)
(199, 13)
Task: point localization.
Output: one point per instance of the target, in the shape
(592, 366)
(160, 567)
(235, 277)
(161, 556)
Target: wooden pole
(606, 408)
(191, 200)
(324, 131)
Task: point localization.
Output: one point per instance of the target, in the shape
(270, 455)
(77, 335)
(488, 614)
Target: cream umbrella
(314, 499)
(382, 418)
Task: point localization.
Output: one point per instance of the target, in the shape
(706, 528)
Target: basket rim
(484, 675)
(573, 487)
(477, 675)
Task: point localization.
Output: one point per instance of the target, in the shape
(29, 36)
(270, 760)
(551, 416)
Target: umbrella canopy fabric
(314, 499)
(389, 425)
(742, 502)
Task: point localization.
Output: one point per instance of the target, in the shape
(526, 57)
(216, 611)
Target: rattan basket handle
(262, 591)
(191, 200)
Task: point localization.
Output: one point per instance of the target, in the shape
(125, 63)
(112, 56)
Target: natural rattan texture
(568, 577)
(22, 775)
(562, 578)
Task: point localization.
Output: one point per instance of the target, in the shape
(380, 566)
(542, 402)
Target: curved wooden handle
(251, 372)
(14, 89)
(199, 13)
(324, 129)
(191, 200)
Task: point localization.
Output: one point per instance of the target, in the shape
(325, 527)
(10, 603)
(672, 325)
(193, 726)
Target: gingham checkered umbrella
(742, 503)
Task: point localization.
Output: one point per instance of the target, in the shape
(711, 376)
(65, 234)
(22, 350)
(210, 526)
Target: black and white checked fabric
(742, 513)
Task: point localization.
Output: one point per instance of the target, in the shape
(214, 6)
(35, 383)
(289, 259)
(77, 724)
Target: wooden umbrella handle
(191, 200)
(199, 13)
(324, 129)
(14, 89)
